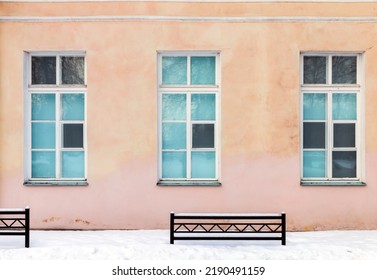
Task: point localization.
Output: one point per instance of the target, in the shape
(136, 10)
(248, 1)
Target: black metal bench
(15, 222)
(227, 227)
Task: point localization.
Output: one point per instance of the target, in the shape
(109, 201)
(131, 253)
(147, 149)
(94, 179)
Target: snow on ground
(154, 245)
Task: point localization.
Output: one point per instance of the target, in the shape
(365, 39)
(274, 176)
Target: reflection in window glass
(73, 70)
(73, 164)
(314, 164)
(315, 69)
(344, 164)
(174, 70)
(73, 107)
(173, 107)
(43, 70)
(344, 69)
(203, 70)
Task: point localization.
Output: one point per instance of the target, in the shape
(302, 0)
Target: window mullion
(58, 76)
(188, 135)
(330, 137)
(58, 136)
(329, 70)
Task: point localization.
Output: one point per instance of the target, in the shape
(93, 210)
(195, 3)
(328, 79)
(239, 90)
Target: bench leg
(172, 228)
(27, 227)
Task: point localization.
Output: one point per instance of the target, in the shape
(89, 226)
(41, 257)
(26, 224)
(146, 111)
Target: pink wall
(260, 120)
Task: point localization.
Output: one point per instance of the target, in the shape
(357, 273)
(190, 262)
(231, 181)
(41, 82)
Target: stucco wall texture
(260, 114)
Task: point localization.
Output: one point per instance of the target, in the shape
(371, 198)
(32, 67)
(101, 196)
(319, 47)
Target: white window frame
(58, 89)
(329, 89)
(188, 90)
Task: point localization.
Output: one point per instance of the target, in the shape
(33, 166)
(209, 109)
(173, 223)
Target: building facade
(114, 113)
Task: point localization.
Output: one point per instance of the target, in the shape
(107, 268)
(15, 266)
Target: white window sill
(332, 183)
(189, 183)
(56, 183)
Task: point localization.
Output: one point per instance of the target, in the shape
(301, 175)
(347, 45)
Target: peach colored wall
(260, 162)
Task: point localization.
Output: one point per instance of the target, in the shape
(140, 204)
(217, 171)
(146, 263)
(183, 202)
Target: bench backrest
(216, 226)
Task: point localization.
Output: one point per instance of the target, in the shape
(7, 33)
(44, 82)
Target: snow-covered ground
(154, 245)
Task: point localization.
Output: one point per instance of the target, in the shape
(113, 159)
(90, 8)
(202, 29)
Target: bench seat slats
(226, 238)
(12, 232)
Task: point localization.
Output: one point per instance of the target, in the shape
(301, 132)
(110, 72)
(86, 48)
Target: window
(331, 142)
(55, 150)
(189, 98)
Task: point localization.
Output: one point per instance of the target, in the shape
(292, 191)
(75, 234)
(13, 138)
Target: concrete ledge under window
(334, 183)
(189, 183)
(56, 183)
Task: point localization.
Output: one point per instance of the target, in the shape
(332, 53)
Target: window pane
(344, 135)
(43, 70)
(43, 164)
(344, 164)
(73, 70)
(314, 164)
(73, 107)
(173, 107)
(73, 136)
(203, 165)
(73, 165)
(344, 69)
(173, 136)
(315, 69)
(174, 70)
(203, 70)
(43, 135)
(314, 135)
(203, 106)
(174, 164)
(344, 106)
(203, 136)
(315, 106)
(43, 107)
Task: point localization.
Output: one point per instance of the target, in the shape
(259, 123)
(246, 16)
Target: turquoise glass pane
(203, 70)
(173, 136)
(43, 107)
(315, 106)
(73, 165)
(344, 106)
(203, 165)
(203, 106)
(173, 107)
(314, 164)
(174, 70)
(43, 135)
(73, 107)
(174, 165)
(43, 164)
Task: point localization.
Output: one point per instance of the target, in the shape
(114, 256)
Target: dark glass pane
(73, 136)
(314, 69)
(73, 70)
(314, 135)
(344, 135)
(43, 70)
(203, 135)
(344, 164)
(344, 69)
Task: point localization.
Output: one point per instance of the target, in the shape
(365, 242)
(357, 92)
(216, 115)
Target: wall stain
(82, 221)
(51, 219)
